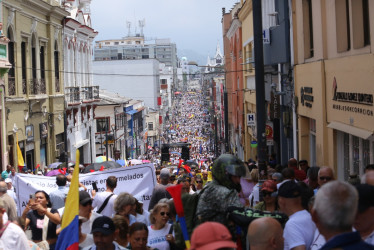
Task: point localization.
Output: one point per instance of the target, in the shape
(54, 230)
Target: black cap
(104, 225)
(289, 189)
(365, 197)
(84, 197)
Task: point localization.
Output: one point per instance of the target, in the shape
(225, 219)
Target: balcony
(37, 87)
(87, 93)
(11, 86)
(72, 94)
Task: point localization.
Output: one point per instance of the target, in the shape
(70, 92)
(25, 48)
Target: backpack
(189, 202)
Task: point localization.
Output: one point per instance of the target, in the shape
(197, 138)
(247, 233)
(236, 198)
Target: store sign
(43, 130)
(269, 134)
(352, 97)
(30, 133)
(251, 119)
(274, 106)
(266, 36)
(307, 96)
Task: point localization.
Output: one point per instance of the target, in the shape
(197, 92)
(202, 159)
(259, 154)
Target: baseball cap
(84, 197)
(289, 189)
(365, 197)
(8, 180)
(165, 173)
(104, 225)
(269, 185)
(210, 236)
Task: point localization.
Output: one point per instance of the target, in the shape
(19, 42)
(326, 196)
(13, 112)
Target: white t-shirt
(255, 195)
(87, 225)
(14, 238)
(299, 230)
(99, 200)
(318, 240)
(157, 238)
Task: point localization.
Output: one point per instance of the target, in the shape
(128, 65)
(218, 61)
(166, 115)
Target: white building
(135, 79)
(111, 125)
(80, 92)
(217, 61)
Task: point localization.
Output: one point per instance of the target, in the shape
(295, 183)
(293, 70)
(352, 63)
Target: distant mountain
(192, 55)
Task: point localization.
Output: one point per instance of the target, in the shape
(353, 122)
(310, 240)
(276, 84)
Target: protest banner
(137, 180)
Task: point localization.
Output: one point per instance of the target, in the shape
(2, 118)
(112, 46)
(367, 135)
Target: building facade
(80, 91)
(333, 78)
(34, 91)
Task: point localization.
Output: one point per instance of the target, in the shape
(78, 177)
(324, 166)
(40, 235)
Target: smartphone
(32, 198)
(94, 186)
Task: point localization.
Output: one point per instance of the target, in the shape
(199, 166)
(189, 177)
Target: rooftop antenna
(141, 25)
(128, 25)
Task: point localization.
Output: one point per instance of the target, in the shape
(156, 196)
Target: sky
(193, 25)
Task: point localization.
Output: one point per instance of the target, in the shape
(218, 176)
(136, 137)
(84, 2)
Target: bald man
(265, 233)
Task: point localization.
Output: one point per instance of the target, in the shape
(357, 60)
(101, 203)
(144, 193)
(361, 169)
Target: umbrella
(70, 164)
(121, 162)
(177, 153)
(54, 165)
(102, 158)
(191, 164)
(53, 172)
(97, 166)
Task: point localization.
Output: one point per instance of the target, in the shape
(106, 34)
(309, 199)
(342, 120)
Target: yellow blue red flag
(69, 236)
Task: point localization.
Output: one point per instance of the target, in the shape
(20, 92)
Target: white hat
(8, 180)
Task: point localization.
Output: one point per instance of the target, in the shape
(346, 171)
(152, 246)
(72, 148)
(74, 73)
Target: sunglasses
(266, 193)
(199, 182)
(325, 178)
(163, 214)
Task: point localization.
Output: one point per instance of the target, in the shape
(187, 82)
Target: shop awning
(131, 112)
(359, 132)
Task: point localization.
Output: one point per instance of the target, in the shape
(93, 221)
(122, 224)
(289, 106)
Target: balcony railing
(37, 86)
(87, 93)
(11, 86)
(57, 85)
(72, 94)
(95, 92)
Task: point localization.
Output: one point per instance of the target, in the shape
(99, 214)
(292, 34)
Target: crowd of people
(291, 207)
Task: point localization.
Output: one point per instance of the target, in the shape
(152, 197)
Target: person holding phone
(42, 219)
(103, 202)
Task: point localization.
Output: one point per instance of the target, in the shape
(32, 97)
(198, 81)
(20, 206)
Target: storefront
(336, 113)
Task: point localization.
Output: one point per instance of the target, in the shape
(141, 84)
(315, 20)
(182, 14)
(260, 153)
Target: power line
(131, 75)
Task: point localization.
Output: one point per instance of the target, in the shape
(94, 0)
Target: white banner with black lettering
(137, 180)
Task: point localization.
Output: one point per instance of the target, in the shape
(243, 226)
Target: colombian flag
(20, 161)
(69, 236)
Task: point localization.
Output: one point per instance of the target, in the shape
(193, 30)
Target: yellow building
(246, 18)
(34, 98)
(333, 54)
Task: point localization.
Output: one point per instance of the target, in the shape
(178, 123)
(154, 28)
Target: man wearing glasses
(325, 174)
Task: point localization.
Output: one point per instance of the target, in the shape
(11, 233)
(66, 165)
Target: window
(120, 121)
(102, 124)
(342, 25)
(116, 43)
(360, 23)
(150, 126)
(308, 28)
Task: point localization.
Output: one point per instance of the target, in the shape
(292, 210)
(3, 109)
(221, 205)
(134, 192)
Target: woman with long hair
(42, 219)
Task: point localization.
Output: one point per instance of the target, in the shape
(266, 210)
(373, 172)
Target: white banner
(137, 180)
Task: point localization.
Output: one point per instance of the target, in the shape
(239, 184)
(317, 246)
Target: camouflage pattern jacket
(214, 201)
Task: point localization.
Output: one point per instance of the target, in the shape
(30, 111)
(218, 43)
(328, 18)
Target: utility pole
(260, 85)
